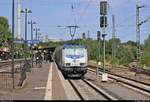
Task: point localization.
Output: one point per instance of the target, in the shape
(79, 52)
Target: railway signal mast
(103, 25)
(99, 46)
(113, 41)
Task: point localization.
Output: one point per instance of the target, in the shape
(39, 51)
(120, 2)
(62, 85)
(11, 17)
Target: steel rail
(127, 83)
(100, 91)
(76, 90)
(96, 89)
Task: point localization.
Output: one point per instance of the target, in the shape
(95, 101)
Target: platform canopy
(49, 48)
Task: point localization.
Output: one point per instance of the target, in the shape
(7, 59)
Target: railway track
(137, 85)
(141, 70)
(5, 64)
(88, 91)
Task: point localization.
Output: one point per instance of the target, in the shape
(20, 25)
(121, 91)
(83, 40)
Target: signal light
(103, 21)
(98, 35)
(83, 36)
(103, 7)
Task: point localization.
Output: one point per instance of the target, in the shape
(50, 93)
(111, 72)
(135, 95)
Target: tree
(132, 43)
(146, 52)
(125, 52)
(147, 41)
(5, 33)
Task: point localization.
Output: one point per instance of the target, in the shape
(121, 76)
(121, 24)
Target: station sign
(33, 42)
(18, 41)
(28, 41)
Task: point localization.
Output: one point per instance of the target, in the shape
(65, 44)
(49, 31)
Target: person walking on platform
(39, 59)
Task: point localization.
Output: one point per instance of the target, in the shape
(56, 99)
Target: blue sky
(48, 14)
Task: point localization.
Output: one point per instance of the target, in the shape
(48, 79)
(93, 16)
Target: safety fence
(9, 80)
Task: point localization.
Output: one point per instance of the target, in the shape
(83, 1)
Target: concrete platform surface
(46, 83)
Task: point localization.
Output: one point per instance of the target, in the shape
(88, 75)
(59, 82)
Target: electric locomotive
(72, 60)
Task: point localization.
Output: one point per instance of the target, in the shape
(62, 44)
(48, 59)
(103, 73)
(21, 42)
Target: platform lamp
(32, 23)
(26, 11)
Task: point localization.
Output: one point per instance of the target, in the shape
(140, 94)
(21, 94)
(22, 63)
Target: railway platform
(48, 83)
(45, 83)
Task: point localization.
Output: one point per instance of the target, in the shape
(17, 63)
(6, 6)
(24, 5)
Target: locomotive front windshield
(75, 52)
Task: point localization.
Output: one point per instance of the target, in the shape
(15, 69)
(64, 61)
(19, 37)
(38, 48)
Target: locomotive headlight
(82, 64)
(68, 64)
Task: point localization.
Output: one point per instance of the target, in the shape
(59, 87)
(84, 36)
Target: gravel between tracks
(86, 91)
(116, 89)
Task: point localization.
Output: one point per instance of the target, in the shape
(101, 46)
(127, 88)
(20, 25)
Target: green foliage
(146, 52)
(19, 51)
(5, 33)
(125, 53)
(53, 44)
(132, 43)
(146, 57)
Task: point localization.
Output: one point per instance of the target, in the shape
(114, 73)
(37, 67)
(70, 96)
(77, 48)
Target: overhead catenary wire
(122, 26)
(80, 16)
